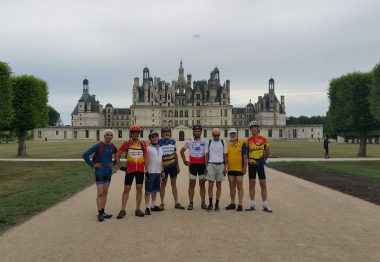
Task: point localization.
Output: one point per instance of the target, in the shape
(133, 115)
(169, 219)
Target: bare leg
(192, 183)
(125, 197)
(263, 185)
(218, 189)
(210, 189)
(202, 189)
(99, 196)
(239, 184)
(252, 184)
(138, 195)
(162, 190)
(174, 189)
(105, 193)
(232, 183)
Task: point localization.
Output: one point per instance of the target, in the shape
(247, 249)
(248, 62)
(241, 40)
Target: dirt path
(309, 223)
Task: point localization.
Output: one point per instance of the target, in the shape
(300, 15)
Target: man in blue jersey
(170, 164)
(102, 163)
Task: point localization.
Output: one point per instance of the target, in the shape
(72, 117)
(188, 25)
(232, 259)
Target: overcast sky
(301, 43)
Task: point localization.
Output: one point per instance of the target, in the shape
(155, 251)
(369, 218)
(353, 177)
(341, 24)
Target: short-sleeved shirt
(216, 151)
(169, 149)
(196, 150)
(135, 155)
(154, 159)
(235, 155)
(256, 148)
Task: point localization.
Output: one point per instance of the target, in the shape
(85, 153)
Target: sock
(265, 204)
(217, 202)
(102, 210)
(210, 200)
(253, 203)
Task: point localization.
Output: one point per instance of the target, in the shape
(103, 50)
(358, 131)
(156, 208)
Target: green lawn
(356, 168)
(29, 187)
(74, 149)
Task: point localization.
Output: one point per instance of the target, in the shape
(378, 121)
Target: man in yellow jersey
(237, 166)
(258, 153)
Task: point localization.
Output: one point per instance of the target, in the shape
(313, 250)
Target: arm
(182, 152)
(176, 162)
(245, 159)
(266, 152)
(118, 155)
(225, 158)
(90, 151)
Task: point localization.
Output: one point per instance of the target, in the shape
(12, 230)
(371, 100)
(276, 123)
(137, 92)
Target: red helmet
(135, 128)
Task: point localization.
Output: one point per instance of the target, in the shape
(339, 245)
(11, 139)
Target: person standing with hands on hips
(102, 163)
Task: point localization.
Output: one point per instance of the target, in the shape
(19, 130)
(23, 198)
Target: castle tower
(85, 86)
(271, 86)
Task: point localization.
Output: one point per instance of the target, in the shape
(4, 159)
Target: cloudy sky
(301, 43)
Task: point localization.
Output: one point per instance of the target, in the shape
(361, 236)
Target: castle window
(225, 112)
(280, 133)
(186, 113)
(224, 95)
(181, 113)
(221, 112)
(186, 122)
(109, 110)
(294, 133)
(120, 134)
(87, 133)
(198, 113)
(57, 133)
(270, 133)
(39, 134)
(192, 114)
(198, 103)
(225, 133)
(176, 113)
(198, 96)
(176, 122)
(204, 133)
(75, 134)
(246, 133)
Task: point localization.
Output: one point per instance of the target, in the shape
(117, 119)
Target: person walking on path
(102, 163)
(171, 166)
(216, 170)
(153, 174)
(196, 164)
(258, 153)
(237, 167)
(137, 163)
(326, 146)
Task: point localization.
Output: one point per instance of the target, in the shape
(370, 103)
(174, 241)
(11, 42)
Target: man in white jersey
(153, 174)
(216, 159)
(196, 164)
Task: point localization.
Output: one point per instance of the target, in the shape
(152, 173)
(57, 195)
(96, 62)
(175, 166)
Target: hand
(251, 161)
(206, 171)
(225, 171)
(178, 169)
(146, 175)
(98, 165)
(123, 168)
(187, 163)
(162, 174)
(110, 165)
(244, 170)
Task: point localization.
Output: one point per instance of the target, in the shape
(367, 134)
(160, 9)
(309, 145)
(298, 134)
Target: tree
(349, 109)
(374, 97)
(6, 109)
(30, 107)
(54, 117)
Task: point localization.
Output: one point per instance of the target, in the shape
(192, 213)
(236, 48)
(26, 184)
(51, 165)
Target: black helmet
(166, 129)
(152, 134)
(197, 127)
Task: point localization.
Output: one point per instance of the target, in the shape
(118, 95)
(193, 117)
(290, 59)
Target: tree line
(23, 105)
(354, 109)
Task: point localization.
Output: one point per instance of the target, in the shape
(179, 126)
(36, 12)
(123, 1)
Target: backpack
(98, 153)
(209, 143)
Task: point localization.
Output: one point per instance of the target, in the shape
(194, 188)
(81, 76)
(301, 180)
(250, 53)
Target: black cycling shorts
(234, 173)
(197, 169)
(101, 179)
(170, 171)
(128, 180)
(259, 169)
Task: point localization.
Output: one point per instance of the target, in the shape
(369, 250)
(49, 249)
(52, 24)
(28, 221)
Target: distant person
(196, 164)
(216, 170)
(326, 146)
(137, 163)
(171, 166)
(237, 167)
(258, 153)
(153, 173)
(102, 163)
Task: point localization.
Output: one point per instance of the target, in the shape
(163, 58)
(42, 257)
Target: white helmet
(253, 123)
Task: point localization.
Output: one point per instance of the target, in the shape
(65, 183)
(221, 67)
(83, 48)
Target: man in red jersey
(137, 163)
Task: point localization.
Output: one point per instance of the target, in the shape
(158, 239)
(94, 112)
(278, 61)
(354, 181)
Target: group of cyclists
(154, 162)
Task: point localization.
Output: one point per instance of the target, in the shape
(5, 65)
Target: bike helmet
(153, 134)
(253, 123)
(135, 128)
(197, 127)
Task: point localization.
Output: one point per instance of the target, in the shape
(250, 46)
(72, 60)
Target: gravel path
(309, 223)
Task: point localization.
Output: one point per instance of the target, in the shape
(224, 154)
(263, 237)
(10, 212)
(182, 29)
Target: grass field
(369, 169)
(29, 187)
(74, 149)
